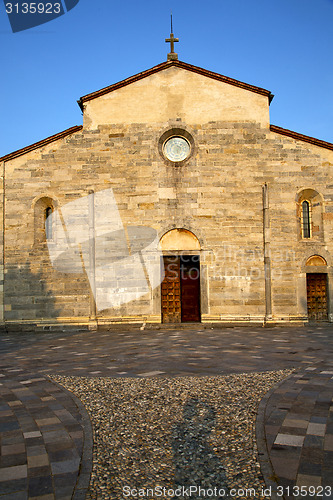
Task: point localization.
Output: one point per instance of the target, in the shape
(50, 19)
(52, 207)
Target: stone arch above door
(179, 240)
(316, 260)
(180, 289)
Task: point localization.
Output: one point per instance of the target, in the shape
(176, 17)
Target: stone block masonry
(216, 194)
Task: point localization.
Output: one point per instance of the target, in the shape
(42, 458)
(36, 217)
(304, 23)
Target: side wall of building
(2, 166)
(298, 171)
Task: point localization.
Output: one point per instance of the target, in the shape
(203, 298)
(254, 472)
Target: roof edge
(168, 64)
(301, 137)
(41, 143)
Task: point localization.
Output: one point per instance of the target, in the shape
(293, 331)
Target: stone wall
(217, 195)
(2, 164)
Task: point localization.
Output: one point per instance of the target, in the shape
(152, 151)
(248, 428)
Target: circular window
(176, 148)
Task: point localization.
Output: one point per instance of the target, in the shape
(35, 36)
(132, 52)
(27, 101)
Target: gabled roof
(301, 137)
(42, 143)
(178, 64)
(156, 69)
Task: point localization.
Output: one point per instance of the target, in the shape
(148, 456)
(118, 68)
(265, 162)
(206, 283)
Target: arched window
(309, 210)
(48, 223)
(306, 219)
(43, 228)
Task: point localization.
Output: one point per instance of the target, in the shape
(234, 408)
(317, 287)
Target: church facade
(175, 169)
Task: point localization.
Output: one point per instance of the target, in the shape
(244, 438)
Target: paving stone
(63, 455)
(12, 438)
(309, 468)
(289, 440)
(328, 459)
(20, 495)
(318, 420)
(328, 442)
(9, 426)
(293, 422)
(306, 480)
(284, 467)
(65, 466)
(12, 449)
(13, 473)
(35, 450)
(13, 486)
(56, 436)
(41, 485)
(32, 434)
(312, 455)
(312, 441)
(38, 461)
(13, 460)
(316, 429)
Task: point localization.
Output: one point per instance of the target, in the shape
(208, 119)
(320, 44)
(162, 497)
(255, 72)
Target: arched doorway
(180, 289)
(316, 286)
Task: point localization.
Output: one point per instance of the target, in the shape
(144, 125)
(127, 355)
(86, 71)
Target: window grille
(48, 223)
(306, 219)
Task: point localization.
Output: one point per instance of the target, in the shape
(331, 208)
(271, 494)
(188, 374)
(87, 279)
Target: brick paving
(41, 439)
(46, 434)
(299, 428)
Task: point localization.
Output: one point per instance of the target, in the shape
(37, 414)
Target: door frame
(180, 253)
(327, 292)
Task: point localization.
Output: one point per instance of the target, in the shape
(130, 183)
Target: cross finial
(172, 56)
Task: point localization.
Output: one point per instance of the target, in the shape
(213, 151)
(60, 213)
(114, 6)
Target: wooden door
(190, 288)
(317, 296)
(170, 291)
(180, 289)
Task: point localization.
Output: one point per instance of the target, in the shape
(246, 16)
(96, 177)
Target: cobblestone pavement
(45, 432)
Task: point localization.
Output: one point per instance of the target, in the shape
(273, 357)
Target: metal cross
(172, 39)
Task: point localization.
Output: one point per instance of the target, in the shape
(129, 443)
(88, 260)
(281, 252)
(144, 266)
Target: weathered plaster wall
(177, 93)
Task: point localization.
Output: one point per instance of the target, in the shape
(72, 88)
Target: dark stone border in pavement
(83, 481)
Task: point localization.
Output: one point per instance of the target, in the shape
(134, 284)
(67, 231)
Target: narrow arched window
(306, 219)
(48, 223)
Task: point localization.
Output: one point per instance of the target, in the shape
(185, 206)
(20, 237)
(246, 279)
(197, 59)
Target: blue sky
(285, 46)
